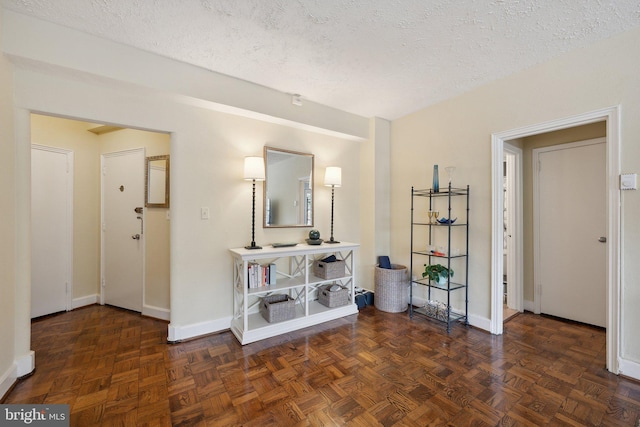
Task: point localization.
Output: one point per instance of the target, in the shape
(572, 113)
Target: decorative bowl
(447, 221)
(314, 241)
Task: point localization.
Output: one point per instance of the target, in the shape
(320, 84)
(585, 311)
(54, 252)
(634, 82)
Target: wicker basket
(277, 308)
(391, 288)
(328, 270)
(333, 298)
(436, 309)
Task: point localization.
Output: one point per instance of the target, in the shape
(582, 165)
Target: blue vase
(436, 183)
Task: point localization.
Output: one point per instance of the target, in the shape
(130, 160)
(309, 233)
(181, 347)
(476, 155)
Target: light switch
(204, 213)
(629, 181)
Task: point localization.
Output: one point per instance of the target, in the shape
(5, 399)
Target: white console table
(295, 278)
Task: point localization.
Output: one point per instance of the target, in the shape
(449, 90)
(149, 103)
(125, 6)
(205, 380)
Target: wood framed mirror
(288, 188)
(156, 181)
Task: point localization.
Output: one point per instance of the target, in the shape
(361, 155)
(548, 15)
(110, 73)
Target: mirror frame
(265, 186)
(147, 164)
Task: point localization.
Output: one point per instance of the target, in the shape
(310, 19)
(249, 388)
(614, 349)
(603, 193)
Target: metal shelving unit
(443, 201)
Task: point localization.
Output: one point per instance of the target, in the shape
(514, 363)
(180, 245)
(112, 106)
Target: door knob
(602, 240)
(136, 237)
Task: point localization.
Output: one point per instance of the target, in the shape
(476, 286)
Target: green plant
(437, 272)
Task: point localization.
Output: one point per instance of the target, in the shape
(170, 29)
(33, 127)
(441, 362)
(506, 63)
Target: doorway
(610, 116)
(513, 258)
(88, 141)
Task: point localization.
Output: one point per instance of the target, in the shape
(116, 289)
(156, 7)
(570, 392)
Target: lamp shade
(333, 176)
(254, 168)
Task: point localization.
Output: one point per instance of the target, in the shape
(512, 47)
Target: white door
(51, 230)
(571, 209)
(122, 236)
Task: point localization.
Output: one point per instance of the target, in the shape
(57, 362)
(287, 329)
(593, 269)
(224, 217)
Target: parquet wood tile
(114, 367)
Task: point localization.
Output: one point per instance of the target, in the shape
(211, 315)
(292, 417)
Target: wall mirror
(156, 181)
(288, 188)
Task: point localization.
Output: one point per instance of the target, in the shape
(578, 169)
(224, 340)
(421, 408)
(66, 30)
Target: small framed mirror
(288, 188)
(156, 181)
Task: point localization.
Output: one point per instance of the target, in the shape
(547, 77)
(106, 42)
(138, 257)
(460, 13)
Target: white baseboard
(629, 368)
(156, 312)
(84, 301)
(180, 333)
(528, 305)
(474, 320)
(7, 380)
(26, 364)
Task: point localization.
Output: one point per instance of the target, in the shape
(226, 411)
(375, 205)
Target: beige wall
(580, 133)
(8, 304)
(87, 147)
(458, 132)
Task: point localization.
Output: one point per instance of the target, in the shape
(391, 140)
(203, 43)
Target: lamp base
(253, 247)
(331, 241)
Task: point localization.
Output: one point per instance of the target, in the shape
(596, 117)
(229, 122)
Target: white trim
(180, 333)
(7, 380)
(26, 364)
(528, 305)
(535, 159)
(156, 312)
(85, 301)
(629, 368)
(612, 117)
(515, 259)
(497, 236)
(67, 245)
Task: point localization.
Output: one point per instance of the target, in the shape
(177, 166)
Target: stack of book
(261, 275)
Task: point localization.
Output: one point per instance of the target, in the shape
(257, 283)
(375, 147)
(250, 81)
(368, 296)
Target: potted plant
(437, 273)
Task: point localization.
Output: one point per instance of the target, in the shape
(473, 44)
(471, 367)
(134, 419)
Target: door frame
(610, 115)
(67, 247)
(535, 157)
(515, 258)
(102, 224)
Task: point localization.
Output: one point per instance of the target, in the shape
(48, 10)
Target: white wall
(8, 304)
(458, 132)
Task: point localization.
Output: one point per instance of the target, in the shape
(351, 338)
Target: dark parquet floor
(114, 367)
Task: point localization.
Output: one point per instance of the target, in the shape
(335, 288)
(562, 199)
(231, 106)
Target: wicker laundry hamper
(391, 288)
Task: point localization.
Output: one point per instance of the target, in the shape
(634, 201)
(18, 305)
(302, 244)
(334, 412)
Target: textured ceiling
(383, 58)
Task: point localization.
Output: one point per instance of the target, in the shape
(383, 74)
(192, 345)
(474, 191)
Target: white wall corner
(156, 312)
(181, 333)
(26, 364)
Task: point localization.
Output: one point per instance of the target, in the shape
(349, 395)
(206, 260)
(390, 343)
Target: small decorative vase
(436, 183)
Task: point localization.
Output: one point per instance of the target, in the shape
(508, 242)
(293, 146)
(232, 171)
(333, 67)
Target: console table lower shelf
(260, 329)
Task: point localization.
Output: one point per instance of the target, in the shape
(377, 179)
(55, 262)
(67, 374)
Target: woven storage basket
(277, 308)
(436, 309)
(333, 298)
(391, 288)
(328, 270)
